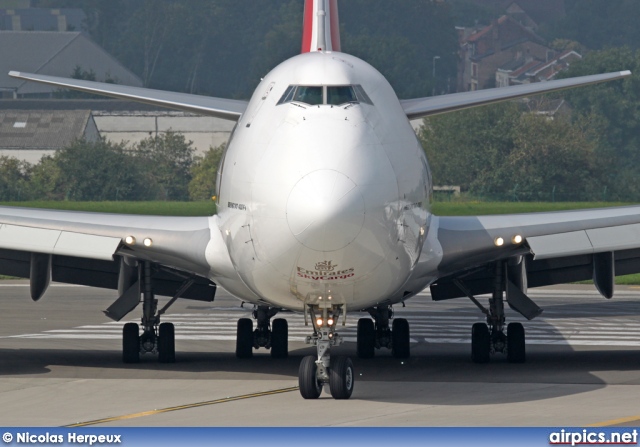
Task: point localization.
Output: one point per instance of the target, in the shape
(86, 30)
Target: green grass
(479, 208)
(204, 208)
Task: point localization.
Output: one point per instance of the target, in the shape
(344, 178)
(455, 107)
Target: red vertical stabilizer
(321, 29)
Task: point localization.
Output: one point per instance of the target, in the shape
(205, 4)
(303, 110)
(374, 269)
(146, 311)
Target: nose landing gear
(317, 371)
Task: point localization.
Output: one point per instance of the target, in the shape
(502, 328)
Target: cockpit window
(362, 96)
(340, 95)
(334, 95)
(309, 95)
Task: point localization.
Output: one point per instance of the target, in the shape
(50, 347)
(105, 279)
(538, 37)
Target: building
(56, 54)
(521, 71)
(30, 134)
(483, 51)
(117, 121)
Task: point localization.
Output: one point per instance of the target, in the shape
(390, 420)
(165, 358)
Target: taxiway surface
(60, 364)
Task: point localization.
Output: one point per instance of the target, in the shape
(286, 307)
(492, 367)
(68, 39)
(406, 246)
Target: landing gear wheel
(166, 343)
(244, 339)
(400, 339)
(341, 378)
(516, 351)
(310, 388)
(480, 343)
(131, 343)
(279, 338)
(366, 338)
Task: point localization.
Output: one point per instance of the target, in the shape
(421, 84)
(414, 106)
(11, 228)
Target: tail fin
(321, 30)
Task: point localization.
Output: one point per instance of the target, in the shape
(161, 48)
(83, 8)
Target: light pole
(435, 58)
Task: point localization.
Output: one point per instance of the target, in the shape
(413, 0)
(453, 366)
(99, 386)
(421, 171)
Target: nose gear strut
(317, 371)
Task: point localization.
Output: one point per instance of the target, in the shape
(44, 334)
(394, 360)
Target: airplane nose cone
(325, 210)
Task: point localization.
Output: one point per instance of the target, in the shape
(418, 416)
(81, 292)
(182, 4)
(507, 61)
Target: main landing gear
(317, 371)
(156, 338)
(274, 338)
(489, 338)
(376, 334)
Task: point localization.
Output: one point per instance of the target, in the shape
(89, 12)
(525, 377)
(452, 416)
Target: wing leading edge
(558, 247)
(228, 109)
(433, 105)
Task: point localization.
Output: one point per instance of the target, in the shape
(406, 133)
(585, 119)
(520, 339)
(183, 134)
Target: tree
(464, 148)
(617, 107)
(204, 173)
(502, 152)
(96, 171)
(166, 161)
(13, 179)
(598, 24)
(85, 75)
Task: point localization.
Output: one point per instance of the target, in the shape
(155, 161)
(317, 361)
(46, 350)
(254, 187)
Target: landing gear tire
(480, 343)
(131, 343)
(400, 339)
(310, 388)
(166, 343)
(516, 350)
(366, 338)
(279, 338)
(341, 378)
(244, 339)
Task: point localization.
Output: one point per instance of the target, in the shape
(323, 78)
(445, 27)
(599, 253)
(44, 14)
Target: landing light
(421, 231)
(130, 240)
(148, 242)
(499, 242)
(517, 239)
(319, 321)
(330, 321)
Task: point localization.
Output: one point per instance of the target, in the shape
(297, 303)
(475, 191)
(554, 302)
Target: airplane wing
(98, 249)
(555, 248)
(228, 109)
(433, 105)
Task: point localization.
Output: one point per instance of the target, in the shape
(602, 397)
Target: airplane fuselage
(319, 198)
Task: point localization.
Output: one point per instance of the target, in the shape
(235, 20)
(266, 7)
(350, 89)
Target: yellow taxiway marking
(183, 407)
(616, 421)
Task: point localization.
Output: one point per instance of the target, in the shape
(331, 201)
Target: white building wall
(133, 127)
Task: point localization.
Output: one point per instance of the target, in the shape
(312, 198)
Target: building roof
(500, 35)
(41, 129)
(57, 54)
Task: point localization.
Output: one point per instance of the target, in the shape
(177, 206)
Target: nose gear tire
(341, 378)
(310, 388)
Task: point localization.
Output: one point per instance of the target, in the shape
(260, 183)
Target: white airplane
(323, 208)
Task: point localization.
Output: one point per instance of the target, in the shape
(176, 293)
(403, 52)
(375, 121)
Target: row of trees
(158, 168)
(223, 47)
(503, 151)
